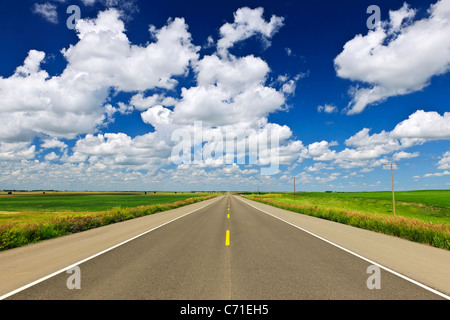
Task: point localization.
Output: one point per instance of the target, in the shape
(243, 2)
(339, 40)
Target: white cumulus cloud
(398, 57)
(35, 103)
(247, 23)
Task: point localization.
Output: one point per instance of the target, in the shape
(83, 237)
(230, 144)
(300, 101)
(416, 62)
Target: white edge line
(353, 253)
(96, 255)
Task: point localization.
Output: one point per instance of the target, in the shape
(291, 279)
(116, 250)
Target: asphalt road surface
(226, 250)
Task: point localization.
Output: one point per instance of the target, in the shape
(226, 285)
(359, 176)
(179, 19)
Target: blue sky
(104, 106)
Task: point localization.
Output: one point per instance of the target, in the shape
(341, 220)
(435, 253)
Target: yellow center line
(227, 238)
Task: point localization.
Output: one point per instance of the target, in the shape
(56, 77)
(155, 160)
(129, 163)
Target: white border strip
(97, 254)
(353, 253)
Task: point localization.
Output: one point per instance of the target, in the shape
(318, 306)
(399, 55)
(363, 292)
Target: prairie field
(427, 205)
(29, 207)
(421, 216)
(29, 217)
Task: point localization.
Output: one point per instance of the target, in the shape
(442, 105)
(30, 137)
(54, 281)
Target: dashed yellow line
(227, 237)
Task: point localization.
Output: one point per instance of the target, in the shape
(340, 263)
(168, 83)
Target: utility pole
(393, 196)
(294, 188)
(392, 180)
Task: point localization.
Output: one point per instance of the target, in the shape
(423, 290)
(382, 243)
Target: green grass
(421, 216)
(37, 207)
(85, 201)
(34, 226)
(440, 198)
(427, 205)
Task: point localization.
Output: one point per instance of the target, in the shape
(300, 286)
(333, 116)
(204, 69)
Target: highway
(225, 248)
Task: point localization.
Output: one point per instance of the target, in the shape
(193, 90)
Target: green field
(420, 216)
(29, 217)
(29, 207)
(427, 205)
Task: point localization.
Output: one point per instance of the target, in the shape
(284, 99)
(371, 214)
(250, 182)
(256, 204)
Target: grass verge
(434, 234)
(13, 235)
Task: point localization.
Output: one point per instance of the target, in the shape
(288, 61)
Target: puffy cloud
(421, 126)
(365, 149)
(404, 155)
(217, 105)
(318, 166)
(247, 23)
(51, 156)
(400, 17)
(113, 150)
(231, 91)
(53, 143)
(230, 96)
(363, 139)
(33, 103)
(31, 65)
(141, 103)
(383, 58)
(106, 56)
(424, 125)
(157, 116)
(73, 176)
(16, 151)
(444, 163)
(320, 151)
(233, 73)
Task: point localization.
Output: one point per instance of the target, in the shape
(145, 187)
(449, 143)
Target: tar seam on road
(97, 254)
(355, 254)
